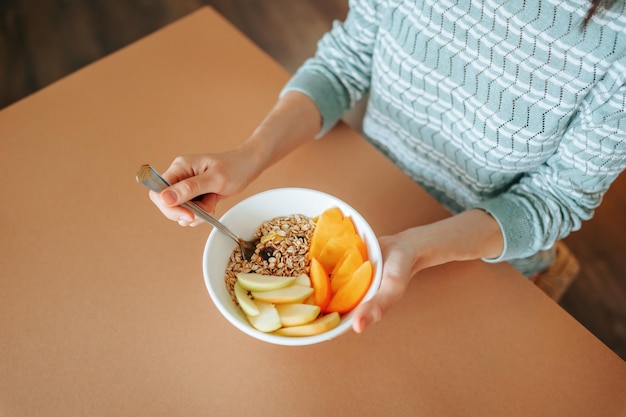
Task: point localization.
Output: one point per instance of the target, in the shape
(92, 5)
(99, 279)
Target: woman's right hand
(293, 121)
(211, 176)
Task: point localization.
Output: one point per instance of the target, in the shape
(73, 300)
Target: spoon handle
(149, 177)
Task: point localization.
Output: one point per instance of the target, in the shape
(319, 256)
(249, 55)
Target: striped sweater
(509, 106)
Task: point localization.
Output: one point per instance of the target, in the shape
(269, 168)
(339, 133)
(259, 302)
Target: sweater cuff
(326, 94)
(515, 226)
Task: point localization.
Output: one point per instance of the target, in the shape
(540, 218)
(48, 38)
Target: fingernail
(183, 221)
(169, 197)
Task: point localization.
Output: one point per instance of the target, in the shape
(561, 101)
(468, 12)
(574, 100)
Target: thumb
(181, 192)
(391, 290)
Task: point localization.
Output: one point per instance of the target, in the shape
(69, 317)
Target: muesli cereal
(282, 250)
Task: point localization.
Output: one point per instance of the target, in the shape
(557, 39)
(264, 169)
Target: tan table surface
(103, 308)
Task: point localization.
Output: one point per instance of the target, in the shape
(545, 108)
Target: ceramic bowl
(244, 219)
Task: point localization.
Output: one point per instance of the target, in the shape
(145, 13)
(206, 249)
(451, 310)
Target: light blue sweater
(509, 106)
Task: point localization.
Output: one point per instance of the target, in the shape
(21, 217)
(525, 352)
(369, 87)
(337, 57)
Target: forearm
(473, 234)
(293, 121)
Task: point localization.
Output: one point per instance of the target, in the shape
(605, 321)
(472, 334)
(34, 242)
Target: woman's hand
(293, 121)
(473, 234)
(398, 255)
(211, 176)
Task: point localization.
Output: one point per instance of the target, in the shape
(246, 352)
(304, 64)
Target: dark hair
(596, 6)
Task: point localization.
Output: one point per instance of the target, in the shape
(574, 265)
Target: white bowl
(244, 219)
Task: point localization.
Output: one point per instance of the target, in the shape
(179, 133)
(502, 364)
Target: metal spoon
(149, 177)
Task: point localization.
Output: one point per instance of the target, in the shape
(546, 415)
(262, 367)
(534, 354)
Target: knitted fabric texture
(513, 107)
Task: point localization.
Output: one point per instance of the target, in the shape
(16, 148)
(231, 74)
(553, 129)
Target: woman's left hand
(473, 234)
(398, 255)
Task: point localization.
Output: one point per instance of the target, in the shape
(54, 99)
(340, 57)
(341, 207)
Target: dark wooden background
(41, 41)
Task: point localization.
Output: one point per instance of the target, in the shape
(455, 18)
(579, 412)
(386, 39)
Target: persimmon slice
(326, 226)
(349, 295)
(320, 281)
(344, 269)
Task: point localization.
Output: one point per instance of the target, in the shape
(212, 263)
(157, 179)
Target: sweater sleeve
(338, 76)
(549, 203)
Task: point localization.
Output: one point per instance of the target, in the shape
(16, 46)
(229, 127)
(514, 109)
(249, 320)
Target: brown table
(103, 308)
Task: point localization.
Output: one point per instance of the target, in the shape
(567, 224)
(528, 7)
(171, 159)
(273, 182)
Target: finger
(194, 223)
(176, 213)
(208, 202)
(185, 176)
(182, 191)
(392, 288)
(373, 310)
(183, 167)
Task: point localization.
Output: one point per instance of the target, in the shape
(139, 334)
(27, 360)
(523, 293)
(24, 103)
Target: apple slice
(290, 294)
(297, 314)
(310, 300)
(320, 325)
(258, 282)
(245, 302)
(303, 279)
(267, 320)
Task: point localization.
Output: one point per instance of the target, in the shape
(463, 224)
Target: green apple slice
(258, 282)
(291, 294)
(318, 326)
(245, 302)
(267, 320)
(297, 314)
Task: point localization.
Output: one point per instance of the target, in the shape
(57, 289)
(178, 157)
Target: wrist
(470, 235)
